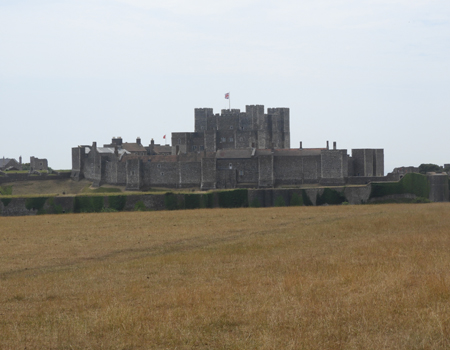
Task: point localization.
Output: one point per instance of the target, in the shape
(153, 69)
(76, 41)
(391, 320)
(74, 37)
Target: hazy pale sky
(366, 73)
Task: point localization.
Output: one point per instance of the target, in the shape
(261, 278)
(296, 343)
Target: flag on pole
(164, 137)
(227, 96)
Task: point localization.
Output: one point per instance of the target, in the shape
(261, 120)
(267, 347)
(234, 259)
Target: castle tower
(201, 119)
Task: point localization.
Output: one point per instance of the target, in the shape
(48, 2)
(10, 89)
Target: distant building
(10, 164)
(38, 164)
(227, 150)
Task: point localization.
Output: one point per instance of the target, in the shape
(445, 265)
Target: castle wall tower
(201, 118)
(280, 127)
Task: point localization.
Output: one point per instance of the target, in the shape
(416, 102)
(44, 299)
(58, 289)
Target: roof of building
(162, 149)
(4, 161)
(133, 147)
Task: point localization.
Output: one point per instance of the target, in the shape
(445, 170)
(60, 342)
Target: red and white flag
(164, 137)
(227, 96)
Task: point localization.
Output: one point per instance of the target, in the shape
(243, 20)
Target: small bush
(6, 201)
(87, 204)
(411, 183)
(170, 201)
(279, 202)
(207, 200)
(192, 201)
(140, 206)
(255, 203)
(6, 190)
(233, 199)
(330, 196)
(296, 200)
(36, 203)
(117, 202)
(109, 210)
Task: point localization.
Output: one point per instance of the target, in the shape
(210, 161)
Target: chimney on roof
(117, 141)
(138, 140)
(94, 145)
(328, 144)
(301, 145)
(334, 145)
(152, 142)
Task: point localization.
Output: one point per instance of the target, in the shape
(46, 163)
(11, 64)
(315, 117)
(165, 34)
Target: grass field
(336, 277)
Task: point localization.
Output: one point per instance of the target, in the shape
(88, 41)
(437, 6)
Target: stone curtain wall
(27, 177)
(14, 206)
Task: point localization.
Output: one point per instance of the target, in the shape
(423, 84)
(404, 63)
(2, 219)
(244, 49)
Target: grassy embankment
(337, 277)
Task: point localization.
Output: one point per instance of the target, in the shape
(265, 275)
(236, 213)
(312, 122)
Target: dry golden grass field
(336, 277)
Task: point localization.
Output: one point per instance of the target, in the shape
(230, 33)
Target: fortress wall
(110, 176)
(195, 142)
(311, 169)
(351, 170)
(226, 178)
(134, 174)
(93, 167)
(211, 123)
(121, 173)
(210, 141)
(77, 163)
(248, 167)
(439, 191)
(201, 115)
(228, 121)
(226, 139)
(208, 173)
(254, 112)
(16, 207)
(333, 163)
(245, 122)
(189, 174)
(163, 174)
(26, 177)
(151, 201)
(362, 180)
(265, 170)
(361, 162)
(288, 170)
(180, 139)
(38, 164)
(243, 139)
(378, 162)
(264, 132)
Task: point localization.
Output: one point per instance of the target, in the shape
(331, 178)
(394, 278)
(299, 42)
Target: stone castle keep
(228, 150)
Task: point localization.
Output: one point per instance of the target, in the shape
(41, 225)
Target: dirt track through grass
(344, 277)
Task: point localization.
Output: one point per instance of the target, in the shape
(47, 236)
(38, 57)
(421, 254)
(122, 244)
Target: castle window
(179, 141)
(162, 174)
(223, 139)
(241, 172)
(158, 166)
(194, 148)
(230, 166)
(231, 139)
(242, 128)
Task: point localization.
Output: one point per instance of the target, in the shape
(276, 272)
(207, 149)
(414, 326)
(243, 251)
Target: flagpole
(229, 102)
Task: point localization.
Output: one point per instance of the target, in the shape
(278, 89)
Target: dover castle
(228, 150)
